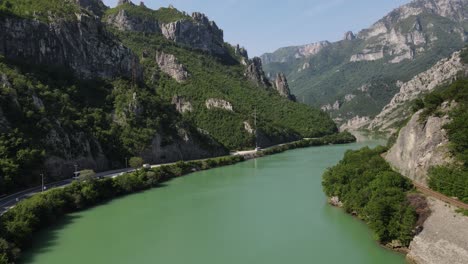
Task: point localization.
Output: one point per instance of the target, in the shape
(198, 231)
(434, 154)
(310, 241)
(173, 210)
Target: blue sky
(265, 25)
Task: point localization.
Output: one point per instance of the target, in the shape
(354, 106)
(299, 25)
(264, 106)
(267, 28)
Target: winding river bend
(271, 210)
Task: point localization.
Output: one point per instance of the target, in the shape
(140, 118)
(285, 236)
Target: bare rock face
(214, 103)
(168, 64)
(242, 52)
(368, 55)
(402, 44)
(248, 128)
(398, 110)
(303, 51)
(69, 149)
(420, 146)
(81, 45)
(255, 73)
(198, 33)
(186, 144)
(349, 36)
(182, 105)
(355, 123)
(443, 238)
(281, 85)
(124, 22)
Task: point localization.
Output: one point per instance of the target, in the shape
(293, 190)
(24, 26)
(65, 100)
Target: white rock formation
(168, 64)
(421, 145)
(214, 103)
(398, 110)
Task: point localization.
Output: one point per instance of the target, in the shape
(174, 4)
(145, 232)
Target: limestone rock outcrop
(186, 144)
(282, 86)
(182, 104)
(355, 123)
(255, 73)
(168, 64)
(398, 109)
(125, 22)
(298, 52)
(420, 145)
(198, 33)
(242, 52)
(81, 45)
(215, 103)
(349, 36)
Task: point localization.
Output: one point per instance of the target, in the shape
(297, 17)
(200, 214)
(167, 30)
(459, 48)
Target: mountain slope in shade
(360, 74)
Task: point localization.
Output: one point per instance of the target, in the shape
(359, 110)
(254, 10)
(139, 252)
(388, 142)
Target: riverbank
(19, 224)
(365, 186)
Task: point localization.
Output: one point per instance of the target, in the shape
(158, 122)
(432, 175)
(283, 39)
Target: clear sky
(265, 25)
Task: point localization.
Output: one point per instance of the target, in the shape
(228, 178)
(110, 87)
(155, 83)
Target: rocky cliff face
(349, 36)
(199, 33)
(282, 86)
(185, 145)
(215, 103)
(296, 52)
(255, 74)
(398, 110)
(168, 64)
(182, 104)
(81, 45)
(125, 22)
(421, 144)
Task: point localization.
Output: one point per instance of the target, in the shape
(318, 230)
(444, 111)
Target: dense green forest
(453, 180)
(371, 190)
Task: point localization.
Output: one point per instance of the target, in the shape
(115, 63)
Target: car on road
(146, 166)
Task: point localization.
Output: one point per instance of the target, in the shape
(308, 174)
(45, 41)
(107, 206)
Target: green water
(270, 210)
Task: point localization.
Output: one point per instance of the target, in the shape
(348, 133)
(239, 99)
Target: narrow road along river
(266, 211)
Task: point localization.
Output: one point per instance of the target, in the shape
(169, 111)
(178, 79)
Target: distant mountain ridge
(359, 75)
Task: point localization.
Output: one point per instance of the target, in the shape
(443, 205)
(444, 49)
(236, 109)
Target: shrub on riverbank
(340, 138)
(371, 190)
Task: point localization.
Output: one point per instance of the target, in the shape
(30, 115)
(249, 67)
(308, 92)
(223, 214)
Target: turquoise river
(265, 211)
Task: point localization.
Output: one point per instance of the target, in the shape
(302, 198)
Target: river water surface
(266, 211)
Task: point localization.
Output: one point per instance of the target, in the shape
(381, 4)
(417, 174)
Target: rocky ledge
(443, 239)
(421, 145)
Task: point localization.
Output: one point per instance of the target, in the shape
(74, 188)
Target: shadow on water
(46, 239)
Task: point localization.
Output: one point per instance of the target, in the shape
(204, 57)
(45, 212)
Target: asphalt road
(11, 200)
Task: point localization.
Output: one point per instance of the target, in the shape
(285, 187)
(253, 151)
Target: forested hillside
(85, 85)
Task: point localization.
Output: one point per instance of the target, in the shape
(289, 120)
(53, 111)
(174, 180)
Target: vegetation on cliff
(50, 118)
(451, 180)
(371, 190)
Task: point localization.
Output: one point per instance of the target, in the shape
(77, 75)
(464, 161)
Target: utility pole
(42, 179)
(76, 170)
(255, 123)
